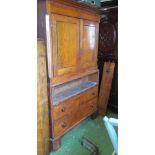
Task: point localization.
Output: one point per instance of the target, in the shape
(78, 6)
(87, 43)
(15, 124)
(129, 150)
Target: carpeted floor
(93, 130)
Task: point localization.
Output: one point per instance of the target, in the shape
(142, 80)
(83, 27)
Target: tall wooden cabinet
(71, 34)
(108, 59)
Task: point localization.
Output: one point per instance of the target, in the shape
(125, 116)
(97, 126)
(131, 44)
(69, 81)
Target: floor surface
(93, 130)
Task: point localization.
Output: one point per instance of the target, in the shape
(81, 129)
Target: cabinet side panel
(67, 44)
(42, 102)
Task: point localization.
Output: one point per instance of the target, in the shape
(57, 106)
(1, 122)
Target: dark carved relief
(108, 50)
(107, 36)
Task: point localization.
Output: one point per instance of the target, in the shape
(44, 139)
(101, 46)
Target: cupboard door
(88, 44)
(65, 44)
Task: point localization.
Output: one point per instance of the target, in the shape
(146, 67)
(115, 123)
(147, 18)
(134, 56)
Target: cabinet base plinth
(55, 144)
(102, 112)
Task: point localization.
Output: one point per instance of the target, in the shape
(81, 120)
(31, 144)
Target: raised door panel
(88, 44)
(65, 39)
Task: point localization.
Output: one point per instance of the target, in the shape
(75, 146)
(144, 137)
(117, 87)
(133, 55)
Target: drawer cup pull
(63, 125)
(93, 93)
(108, 71)
(92, 106)
(63, 109)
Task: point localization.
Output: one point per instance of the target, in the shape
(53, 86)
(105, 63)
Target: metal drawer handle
(63, 109)
(63, 125)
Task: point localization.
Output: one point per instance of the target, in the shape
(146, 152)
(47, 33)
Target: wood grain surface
(65, 44)
(107, 76)
(42, 102)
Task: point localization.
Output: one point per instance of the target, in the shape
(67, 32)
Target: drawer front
(76, 114)
(61, 125)
(71, 111)
(91, 93)
(87, 107)
(66, 107)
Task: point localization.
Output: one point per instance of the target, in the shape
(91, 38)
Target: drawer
(66, 107)
(61, 125)
(91, 93)
(87, 107)
(75, 115)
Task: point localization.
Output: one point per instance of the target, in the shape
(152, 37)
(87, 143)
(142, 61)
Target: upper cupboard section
(73, 46)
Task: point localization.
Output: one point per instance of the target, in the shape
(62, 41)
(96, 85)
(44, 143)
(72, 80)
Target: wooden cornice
(77, 5)
(74, 9)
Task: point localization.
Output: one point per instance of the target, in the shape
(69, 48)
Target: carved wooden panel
(107, 36)
(108, 51)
